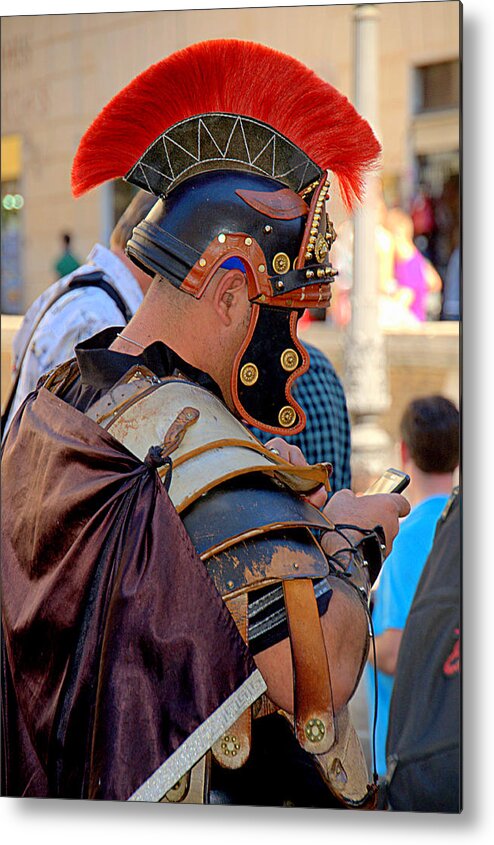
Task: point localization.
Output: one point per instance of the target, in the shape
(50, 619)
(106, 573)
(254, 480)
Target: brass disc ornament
(289, 360)
(249, 374)
(281, 263)
(287, 416)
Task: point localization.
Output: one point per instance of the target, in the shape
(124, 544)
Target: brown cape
(116, 645)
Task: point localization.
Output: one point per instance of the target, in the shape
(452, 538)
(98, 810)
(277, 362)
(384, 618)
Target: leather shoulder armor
(242, 508)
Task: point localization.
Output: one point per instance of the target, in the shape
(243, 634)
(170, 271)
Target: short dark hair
(430, 428)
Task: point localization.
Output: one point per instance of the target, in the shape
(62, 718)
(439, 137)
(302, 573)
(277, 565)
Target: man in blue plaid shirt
(326, 436)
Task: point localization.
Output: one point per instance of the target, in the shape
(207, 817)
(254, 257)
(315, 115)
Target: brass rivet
(338, 771)
(261, 268)
(202, 262)
(321, 274)
(312, 239)
(315, 730)
(281, 263)
(280, 285)
(268, 229)
(249, 374)
(230, 586)
(222, 238)
(287, 416)
(295, 565)
(248, 241)
(289, 360)
(308, 256)
(309, 274)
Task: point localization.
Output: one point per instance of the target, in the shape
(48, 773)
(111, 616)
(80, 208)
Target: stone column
(365, 358)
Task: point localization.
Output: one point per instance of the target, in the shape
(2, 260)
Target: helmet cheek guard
(268, 362)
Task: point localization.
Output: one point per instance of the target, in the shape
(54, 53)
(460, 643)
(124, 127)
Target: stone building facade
(58, 71)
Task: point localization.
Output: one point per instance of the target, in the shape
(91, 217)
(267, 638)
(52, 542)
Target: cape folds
(235, 77)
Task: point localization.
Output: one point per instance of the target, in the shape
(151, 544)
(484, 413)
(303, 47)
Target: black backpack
(423, 744)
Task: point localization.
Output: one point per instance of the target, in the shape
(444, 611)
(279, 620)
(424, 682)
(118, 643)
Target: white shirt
(79, 314)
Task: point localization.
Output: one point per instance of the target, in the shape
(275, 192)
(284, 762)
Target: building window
(437, 87)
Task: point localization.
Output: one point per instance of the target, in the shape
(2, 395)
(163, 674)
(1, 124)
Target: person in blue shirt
(429, 454)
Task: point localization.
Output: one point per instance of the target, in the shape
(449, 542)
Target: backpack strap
(86, 280)
(98, 280)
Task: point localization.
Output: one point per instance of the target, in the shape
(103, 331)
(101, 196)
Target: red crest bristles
(236, 77)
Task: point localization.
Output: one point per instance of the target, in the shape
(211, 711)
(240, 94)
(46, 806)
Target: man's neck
(142, 278)
(424, 485)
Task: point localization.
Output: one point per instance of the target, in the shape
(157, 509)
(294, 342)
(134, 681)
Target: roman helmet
(241, 145)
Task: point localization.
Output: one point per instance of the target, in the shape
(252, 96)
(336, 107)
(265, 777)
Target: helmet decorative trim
(220, 141)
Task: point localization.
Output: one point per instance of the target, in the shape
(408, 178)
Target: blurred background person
(67, 262)
(105, 291)
(429, 449)
(415, 276)
(422, 214)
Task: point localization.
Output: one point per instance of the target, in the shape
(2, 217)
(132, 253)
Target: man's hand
(346, 508)
(295, 456)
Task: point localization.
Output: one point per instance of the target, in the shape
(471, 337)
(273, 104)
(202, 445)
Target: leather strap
(313, 700)
(318, 473)
(176, 433)
(233, 748)
(345, 768)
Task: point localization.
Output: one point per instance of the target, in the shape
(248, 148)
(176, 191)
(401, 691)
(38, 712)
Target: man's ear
(229, 293)
(404, 454)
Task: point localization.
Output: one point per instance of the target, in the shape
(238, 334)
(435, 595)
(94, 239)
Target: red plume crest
(236, 77)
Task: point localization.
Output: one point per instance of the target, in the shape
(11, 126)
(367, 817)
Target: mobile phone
(391, 481)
